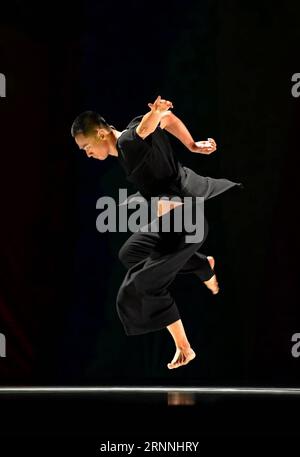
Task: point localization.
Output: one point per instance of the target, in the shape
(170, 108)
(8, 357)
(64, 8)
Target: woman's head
(91, 133)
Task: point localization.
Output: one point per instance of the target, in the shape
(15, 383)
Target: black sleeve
(134, 149)
(131, 141)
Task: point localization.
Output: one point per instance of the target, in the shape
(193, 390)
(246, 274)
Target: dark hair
(87, 121)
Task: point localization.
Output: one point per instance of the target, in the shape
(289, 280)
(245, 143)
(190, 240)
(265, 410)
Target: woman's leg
(137, 248)
(144, 302)
(184, 353)
(168, 258)
(140, 244)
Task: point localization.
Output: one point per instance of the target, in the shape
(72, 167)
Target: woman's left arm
(176, 127)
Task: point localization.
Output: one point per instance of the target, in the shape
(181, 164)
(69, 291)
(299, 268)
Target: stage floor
(86, 418)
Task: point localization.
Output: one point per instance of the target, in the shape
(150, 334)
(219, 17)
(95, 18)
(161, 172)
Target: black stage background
(227, 66)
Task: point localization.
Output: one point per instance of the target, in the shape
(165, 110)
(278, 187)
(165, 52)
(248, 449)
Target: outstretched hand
(204, 147)
(160, 105)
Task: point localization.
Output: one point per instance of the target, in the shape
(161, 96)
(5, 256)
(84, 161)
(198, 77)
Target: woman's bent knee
(123, 255)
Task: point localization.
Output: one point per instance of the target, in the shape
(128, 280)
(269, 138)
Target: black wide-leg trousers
(153, 259)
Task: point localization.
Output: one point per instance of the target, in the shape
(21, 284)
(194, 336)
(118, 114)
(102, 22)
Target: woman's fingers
(160, 104)
(211, 140)
(205, 146)
(212, 149)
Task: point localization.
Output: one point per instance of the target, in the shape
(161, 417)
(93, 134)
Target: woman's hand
(204, 147)
(160, 105)
(151, 119)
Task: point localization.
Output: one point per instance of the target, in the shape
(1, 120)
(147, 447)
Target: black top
(150, 163)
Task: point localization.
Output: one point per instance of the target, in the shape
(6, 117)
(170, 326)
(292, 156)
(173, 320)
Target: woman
(154, 257)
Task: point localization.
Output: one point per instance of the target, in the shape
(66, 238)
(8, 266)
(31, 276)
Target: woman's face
(95, 145)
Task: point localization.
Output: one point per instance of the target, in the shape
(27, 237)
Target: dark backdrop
(227, 67)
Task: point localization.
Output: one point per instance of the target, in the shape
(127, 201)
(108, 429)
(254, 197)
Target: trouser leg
(144, 302)
(140, 244)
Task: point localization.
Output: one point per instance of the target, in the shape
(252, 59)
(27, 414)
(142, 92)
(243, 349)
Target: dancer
(153, 258)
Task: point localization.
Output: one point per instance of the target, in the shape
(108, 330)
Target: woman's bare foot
(212, 283)
(182, 357)
(211, 261)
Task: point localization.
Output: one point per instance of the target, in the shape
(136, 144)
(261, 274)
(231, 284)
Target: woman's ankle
(183, 346)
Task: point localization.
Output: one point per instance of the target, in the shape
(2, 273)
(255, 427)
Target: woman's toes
(182, 358)
(211, 261)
